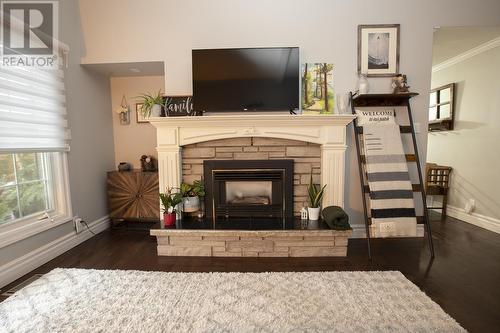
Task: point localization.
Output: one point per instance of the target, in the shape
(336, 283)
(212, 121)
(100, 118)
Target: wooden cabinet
(133, 195)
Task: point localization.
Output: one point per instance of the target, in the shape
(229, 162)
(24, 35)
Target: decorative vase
(363, 85)
(169, 219)
(156, 110)
(191, 204)
(343, 103)
(313, 213)
(123, 166)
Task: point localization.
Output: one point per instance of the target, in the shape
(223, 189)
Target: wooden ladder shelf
(390, 100)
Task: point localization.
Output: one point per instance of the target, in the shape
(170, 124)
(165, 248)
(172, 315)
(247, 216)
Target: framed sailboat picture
(378, 49)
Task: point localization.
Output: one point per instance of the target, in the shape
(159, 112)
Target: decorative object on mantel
(176, 106)
(343, 103)
(170, 200)
(315, 198)
(151, 104)
(336, 218)
(378, 49)
(148, 163)
(191, 194)
(317, 89)
(140, 119)
(124, 166)
(400, 85)
(363, 85)
(123, 112)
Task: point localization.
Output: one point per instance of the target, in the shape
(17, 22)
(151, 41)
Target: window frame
(442, 124)
(61, 212)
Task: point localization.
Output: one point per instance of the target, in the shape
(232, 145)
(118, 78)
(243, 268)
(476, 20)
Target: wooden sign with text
(176, 106)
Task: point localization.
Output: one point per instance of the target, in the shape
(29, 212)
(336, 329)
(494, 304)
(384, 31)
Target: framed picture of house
(138, 112)
(378, 49)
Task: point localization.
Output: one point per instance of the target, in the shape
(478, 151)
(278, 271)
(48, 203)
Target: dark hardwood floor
(464, 277)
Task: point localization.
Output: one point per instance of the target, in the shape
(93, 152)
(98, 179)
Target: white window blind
(32, 110)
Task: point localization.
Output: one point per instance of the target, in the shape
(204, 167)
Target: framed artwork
(317, 89)
(138, 112)
(176, 106)
(378, 49)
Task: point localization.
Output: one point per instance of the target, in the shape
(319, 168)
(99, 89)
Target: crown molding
(467, 54)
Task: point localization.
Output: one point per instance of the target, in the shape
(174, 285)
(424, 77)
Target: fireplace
(253, 194)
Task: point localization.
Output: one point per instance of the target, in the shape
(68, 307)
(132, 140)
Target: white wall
(472, 147)
(91, 155)
(325, 30)
(137, 139)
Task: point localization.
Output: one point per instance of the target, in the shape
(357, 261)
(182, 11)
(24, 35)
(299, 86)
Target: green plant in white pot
(191, 194)
(151, 104)
(315, 196)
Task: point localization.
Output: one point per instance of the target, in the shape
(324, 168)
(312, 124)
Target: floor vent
(21, 285)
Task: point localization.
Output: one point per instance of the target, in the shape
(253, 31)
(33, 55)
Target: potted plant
(191, 194)
(315, 197)
(170, 200)
(151, 104)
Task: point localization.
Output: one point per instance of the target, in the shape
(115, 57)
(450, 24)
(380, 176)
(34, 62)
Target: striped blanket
(391, 194)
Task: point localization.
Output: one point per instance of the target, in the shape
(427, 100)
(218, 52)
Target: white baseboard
(13, 270)
(359, 231)
(486, 222)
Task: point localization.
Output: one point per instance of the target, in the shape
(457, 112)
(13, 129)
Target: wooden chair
(437, 182)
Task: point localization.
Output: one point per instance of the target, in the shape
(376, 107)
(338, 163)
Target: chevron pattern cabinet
(133, 195)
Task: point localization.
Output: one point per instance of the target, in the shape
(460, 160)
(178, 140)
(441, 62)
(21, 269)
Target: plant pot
(169, 219)
(313, 213)
(156, 110)
(191, 204)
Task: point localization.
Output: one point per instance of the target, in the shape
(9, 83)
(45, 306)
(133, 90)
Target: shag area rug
(81, 300)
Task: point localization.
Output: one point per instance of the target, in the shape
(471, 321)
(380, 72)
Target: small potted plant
(170, 200)
(151, 104)
(315, 197)
(191, 194)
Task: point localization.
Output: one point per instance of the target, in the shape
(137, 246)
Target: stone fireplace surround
(306, 156)
(183, 142)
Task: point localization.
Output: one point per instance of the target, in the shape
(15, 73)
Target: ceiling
(148, 68)
(450, 42)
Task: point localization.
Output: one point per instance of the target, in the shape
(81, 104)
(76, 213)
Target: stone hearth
(250, 243)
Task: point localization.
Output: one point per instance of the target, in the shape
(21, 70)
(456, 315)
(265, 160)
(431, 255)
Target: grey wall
(325, 31)
(92, 153)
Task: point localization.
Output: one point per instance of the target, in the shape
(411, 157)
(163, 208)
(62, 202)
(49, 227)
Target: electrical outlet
(78, 224)
(387, 227)
(470, 205)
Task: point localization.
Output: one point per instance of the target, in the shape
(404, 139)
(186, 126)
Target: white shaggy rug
(80, 300)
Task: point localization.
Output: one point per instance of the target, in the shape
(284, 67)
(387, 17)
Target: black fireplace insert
(249, 194)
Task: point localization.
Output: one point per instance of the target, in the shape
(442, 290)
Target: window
(25, 185)
(34, 139)
(441, 103)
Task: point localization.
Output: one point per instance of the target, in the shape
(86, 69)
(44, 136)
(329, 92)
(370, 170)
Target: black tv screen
(247, 79)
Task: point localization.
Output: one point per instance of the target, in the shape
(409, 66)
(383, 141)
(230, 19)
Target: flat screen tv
(246, 79)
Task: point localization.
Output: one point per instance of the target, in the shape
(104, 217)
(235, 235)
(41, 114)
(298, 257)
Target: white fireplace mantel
(327, 131)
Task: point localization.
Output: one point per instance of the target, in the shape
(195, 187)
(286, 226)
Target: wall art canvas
(378, 49)
(317, 89)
